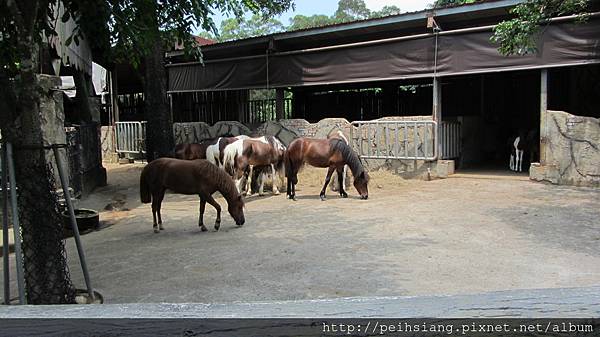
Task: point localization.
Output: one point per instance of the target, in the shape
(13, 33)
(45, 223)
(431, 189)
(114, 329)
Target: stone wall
(289, 129)
(571, 151)
(107, 144)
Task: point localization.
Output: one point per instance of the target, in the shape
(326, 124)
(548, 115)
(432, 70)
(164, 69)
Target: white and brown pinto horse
(216, 151)
(332, 153)
(241, 156)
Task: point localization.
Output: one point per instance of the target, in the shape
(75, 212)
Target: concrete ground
(471, 233)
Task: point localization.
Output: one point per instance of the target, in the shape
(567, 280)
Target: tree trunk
(46, 277)
(82, 98)
(159, 136)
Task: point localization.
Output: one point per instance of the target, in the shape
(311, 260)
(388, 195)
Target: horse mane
(350, 157)
(223, 182)
(230, 153)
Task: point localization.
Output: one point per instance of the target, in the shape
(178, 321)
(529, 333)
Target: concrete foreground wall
(571, 155)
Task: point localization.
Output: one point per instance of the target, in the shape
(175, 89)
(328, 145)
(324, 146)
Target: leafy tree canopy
(519, 35)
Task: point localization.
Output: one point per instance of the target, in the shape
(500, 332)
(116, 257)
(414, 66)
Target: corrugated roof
(483, 12)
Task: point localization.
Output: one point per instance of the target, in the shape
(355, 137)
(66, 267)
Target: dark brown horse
(332, 153)
(193, 150)
(243, 155)
(189, 177)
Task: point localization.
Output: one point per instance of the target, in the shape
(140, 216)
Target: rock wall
(571, 152)
(107, 144)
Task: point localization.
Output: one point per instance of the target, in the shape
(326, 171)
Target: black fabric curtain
(559, 45)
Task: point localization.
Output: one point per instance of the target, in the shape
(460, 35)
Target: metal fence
(450, 140)
(408, 139)
(266, 110)
(131, 137)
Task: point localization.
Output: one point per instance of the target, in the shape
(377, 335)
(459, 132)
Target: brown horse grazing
(332, 153)
(243, 155)
(193, 150)
(189, 177)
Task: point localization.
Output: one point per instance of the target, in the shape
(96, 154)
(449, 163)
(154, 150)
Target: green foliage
(303, 22)
(351, 10)
(519, 35)
(177, 21)
(386, 11)
(450, 3)
(241, 28)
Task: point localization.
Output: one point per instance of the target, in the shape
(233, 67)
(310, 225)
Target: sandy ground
(472, 233)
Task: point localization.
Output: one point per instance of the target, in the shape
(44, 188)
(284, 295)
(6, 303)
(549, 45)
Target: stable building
(438, 65)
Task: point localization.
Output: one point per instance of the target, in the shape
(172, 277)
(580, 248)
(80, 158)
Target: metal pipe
(5, 248)
(16, 224)
(67, 195)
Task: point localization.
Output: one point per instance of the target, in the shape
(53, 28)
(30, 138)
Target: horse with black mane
(332, 153)
(189, 177)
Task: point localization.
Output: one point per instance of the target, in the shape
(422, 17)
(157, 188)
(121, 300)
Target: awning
(460, 52)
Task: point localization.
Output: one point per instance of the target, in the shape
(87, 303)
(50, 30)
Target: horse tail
(145, 194)
(290, 160)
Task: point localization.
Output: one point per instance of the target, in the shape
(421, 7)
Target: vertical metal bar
(387, 139)
(5, 248)
(396, 142)
(416, 137)
(67, 195)
(425, 140)
(368, 139)
(405, 133)
(16, 224)
(378, 132)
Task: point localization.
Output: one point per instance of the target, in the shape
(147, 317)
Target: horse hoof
(156, 230)
(322, 197)
(161, 227)
(261, 194)
(217, 227)
(276, 193)
(345, 195)
(203, 228)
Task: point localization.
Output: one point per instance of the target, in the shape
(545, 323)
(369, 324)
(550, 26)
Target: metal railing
(131, 137)
(450, 140)
(407, 139)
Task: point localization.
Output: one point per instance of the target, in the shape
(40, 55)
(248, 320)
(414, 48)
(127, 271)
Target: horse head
(361, 182)
(235, 208)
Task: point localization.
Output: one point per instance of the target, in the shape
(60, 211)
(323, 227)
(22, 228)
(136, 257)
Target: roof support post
(279, 95)
(543, 115)
(437, 112)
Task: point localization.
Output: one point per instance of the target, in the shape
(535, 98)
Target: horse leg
(512, 162)
(249, 182)
(261, 184)
(201, 216)
(327, 179)
(274, 178)
(341, 173)
(214, 204)
(520, 159)
(161, 195)
(154, 223)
